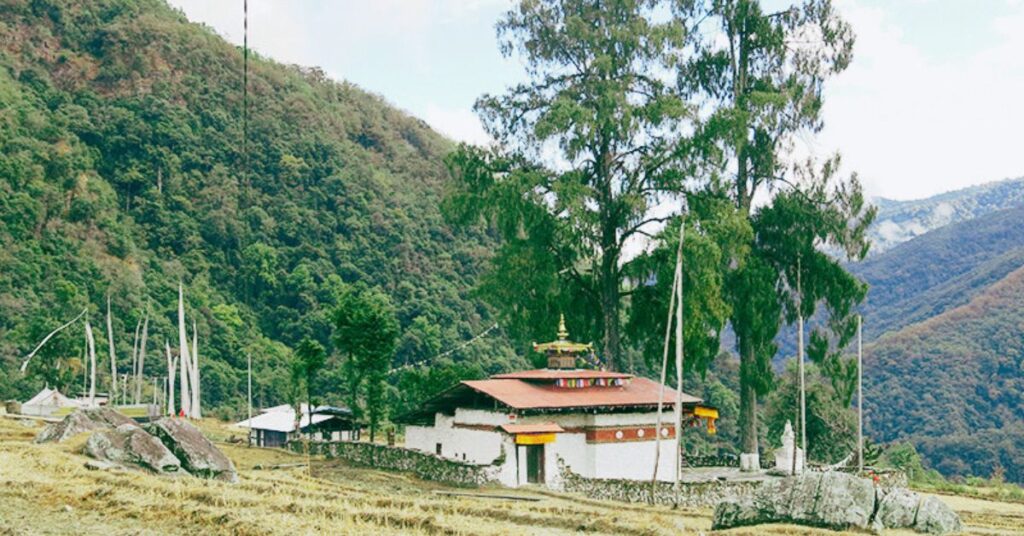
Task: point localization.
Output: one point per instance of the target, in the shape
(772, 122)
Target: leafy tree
(596, 100)
(831, 423)
(366, 330)
(760, 77)
(418, 384)
(309, 359)
(705, 311)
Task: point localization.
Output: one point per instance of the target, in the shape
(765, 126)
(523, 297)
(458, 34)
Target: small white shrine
(784, 455)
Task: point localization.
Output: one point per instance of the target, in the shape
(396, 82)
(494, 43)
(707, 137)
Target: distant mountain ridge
(940, 270)
(900, 221)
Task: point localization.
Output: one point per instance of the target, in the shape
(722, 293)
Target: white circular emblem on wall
(618, 435)
(640, 432)
(664, 432)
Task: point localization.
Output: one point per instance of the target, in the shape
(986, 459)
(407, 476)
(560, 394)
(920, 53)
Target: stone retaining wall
(722, 460)
(692, 494)
(423, 465)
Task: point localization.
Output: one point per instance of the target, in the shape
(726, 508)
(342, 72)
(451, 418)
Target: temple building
(596, 423)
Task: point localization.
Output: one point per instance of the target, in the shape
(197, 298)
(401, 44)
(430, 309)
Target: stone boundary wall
(423, 465)
(692, 494)
(722, 460)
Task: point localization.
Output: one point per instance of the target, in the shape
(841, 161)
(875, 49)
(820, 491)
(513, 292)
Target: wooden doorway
(535, 464)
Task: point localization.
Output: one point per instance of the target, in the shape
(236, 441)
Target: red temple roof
(519, 394)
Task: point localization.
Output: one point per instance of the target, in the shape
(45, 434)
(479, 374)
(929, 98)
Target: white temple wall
(629, 459)
(480, 416)
(633, 460)
(464, 444)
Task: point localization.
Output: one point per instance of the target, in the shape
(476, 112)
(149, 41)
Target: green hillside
(121, 173)
(940, 270)
(954, 384)
(932, 273)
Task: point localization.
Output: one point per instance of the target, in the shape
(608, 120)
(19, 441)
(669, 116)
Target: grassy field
(45, 489)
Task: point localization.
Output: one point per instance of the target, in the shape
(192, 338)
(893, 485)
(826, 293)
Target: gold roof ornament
(563, 346)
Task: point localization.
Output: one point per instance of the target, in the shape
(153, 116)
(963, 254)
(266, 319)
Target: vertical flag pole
(249, 358)
(802, 416)
(679, 363)
(860, 395)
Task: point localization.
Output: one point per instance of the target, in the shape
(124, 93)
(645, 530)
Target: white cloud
(914, 125)
(912, 118)
(458, 124)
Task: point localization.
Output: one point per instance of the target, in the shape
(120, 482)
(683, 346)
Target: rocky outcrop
(836, 501)
(197, 454)
(130, 446)
(166, 447)
(81, 421)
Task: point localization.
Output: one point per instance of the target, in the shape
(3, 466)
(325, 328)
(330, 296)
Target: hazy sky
(931, 103)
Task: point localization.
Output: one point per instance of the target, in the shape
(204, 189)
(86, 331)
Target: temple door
(535, 464)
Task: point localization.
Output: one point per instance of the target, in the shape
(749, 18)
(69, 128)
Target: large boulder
(131, 446)
(935, 517)
(831, 500)
(83, 420)
(197, 454)
(903, 509)
(897, 508)
(837, 501)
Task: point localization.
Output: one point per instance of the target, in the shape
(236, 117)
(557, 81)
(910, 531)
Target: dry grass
(45, 489)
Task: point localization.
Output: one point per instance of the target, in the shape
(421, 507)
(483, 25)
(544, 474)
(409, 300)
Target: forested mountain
(940, 270)
(899, 221)
(946, 368)
(932, 273)
(121, 173)
(954, 384)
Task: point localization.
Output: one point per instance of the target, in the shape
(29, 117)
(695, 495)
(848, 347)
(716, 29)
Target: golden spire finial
(563, 334)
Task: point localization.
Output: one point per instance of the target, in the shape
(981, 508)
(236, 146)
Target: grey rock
(81, 421)
(831, 500)
(130, 446)
(837, 501)
(897, 508)
(197, 454)
(934, 517)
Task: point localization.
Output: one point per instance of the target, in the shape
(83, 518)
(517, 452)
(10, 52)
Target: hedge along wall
(421, 464)
(691, 494)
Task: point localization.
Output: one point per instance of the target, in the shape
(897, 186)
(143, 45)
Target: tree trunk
(309, 408)
(748, 400)
(610, 309)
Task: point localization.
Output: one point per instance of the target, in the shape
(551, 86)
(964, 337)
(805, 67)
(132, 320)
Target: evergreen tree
(761, 76)
(588, 148)
(366, 331)
(309, 359)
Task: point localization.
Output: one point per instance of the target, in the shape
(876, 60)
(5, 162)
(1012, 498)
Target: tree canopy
(588, 149)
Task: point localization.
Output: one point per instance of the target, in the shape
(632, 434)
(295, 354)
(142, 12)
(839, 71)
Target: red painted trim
(629, 433)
